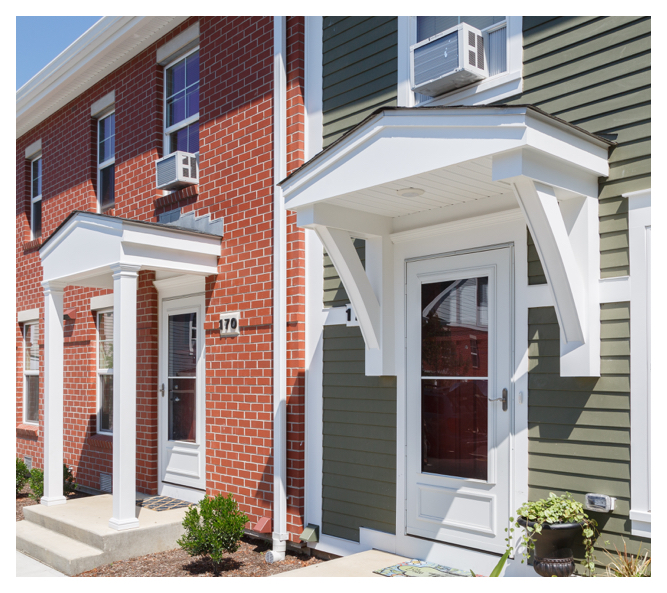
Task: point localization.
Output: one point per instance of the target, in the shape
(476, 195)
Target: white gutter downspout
(280, 535)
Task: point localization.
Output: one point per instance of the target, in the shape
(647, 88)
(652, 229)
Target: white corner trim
(106, 103)
(28, 315)
(33, 150)
(104, 301)
(180, 44)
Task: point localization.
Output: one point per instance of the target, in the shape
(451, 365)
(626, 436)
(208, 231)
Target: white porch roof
(464, 162)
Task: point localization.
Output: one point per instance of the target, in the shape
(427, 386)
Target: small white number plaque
(230, 324)
(350, 318)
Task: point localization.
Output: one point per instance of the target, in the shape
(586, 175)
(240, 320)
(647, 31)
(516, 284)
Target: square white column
(124, 396)
(53, 393)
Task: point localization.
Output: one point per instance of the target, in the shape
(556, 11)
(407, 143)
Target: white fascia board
(107, 45)
(362, 225)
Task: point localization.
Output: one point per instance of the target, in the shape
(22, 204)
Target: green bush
(214, 528)
(37, 483)
(22, 475)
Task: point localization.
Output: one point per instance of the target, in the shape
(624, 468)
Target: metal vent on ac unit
(177, 170)
(448, 60)
(105, 482)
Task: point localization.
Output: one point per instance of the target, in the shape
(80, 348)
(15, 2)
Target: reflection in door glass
(182, 381)
(454, 369)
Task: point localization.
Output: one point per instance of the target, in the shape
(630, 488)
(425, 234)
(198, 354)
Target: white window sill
(491, 90)
(641, 523)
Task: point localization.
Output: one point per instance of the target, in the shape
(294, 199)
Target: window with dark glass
(105, 371)
(36, 198)
(182, 105)
(31, 372)
(106, 159)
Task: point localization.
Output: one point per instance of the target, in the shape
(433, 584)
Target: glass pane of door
(454, 381)
(182, 377)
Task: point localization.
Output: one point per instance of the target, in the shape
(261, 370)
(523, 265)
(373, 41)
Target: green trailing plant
(557, 509)
(22, 475)
(213, 529)
(36, 482)
(627, 565)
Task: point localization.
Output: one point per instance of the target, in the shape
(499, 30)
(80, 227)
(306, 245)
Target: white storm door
(459, 343)
(181, 389)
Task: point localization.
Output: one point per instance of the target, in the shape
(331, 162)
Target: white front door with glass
(459, 331)
(181, 388)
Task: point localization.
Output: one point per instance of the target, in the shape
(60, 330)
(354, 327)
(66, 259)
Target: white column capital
(53, 287)
(125, 270)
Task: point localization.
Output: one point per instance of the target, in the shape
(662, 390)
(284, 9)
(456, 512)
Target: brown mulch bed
(23, 500)
(248, 561)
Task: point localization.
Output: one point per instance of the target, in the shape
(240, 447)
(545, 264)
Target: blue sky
(39, 39)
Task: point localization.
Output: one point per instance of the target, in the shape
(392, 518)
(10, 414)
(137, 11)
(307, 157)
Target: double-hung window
(106, 158)
(105, 371)
(36, 198)
(182, 104)
(31, 373)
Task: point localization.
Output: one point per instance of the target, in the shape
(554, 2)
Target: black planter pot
(553, 548)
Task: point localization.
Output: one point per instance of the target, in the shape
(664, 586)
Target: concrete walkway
(29, 567)
(356, 565)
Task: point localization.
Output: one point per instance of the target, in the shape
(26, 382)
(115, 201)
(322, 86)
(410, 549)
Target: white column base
(123, 524)
(52, 501)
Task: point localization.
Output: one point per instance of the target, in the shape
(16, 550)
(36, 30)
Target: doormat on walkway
(420, 568)
(162, 503)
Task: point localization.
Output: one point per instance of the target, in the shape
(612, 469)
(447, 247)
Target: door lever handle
(162, 390)
(502, 399)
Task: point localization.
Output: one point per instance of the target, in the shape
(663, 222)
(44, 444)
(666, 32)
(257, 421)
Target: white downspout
(280, 535)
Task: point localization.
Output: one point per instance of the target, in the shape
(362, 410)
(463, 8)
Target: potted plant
(552, 526)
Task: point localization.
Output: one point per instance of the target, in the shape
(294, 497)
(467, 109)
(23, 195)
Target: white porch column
(53, 393)
(124, 396)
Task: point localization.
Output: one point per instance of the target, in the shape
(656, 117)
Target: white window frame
(111, 162)
(99, 372)
(188, 120)
(29, 373)
(639, 219)
(37, 198)
(495, 88)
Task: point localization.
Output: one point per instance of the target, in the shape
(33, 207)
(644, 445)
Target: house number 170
(230, 324)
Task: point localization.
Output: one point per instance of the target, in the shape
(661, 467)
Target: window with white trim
(181, 121)
(31, 373)
(503, 41)
(105, 371)
(36, 198)
(106, 159)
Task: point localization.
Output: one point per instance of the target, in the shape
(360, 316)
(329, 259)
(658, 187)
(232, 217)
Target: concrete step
(63, 553)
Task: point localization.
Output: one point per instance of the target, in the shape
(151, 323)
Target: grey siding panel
(359, 441)
(595, 72)
(334, 291)
(579, 428)
(359, 70)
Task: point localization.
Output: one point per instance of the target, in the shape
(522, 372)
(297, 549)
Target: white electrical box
(600, 503)
(230, 324)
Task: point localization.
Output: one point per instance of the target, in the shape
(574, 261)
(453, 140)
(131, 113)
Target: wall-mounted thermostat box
(600, 503)
(230, 324)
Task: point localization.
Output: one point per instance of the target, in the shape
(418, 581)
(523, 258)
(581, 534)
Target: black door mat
(162, 503)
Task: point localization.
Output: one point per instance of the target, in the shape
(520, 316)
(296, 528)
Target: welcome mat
(420, 568)
(162, 503)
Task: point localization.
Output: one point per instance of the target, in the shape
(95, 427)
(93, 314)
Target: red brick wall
(236, 183)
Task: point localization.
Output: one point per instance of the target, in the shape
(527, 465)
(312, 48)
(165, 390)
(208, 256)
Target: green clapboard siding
(595, 72)
(359, 70)
(579, 428)
(334, 291)
(359, 440)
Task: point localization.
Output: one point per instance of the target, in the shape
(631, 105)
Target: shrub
(22, 475)
(214, 528)
(37, 483)
(627, 565)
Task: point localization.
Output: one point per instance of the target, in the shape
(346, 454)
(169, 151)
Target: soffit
(107, 45)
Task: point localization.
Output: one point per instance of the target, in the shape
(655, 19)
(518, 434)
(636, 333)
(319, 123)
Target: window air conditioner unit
(448, 60)
(177, 170)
